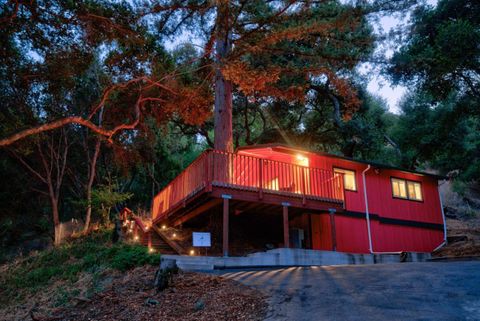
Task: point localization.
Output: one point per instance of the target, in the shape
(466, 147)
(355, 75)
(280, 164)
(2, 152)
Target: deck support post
(226, 212)
(332, 227)
(286, 228)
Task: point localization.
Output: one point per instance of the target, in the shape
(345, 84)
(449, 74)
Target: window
(414, 191)
(399, 188)
(348, 178)
(411, 190)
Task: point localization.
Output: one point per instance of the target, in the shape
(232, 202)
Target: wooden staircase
(150, 235)
(153, 240)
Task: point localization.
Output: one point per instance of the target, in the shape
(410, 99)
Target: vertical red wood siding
(351, 232)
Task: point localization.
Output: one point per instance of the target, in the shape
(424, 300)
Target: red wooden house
(292, 197)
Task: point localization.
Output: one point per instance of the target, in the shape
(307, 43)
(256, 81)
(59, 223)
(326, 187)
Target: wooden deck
(249, 183)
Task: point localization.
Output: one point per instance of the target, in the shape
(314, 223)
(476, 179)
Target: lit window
(414, 191)
(348, 178)
(407, 189)
(399, 188)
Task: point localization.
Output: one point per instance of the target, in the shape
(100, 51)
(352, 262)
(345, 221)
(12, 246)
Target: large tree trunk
(91, 174)
(223, 139)
(91, 178)
(223, 114)
(56, 217)
(57, 226)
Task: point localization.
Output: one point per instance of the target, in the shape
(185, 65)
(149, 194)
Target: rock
(151, 301)
(199, 305)
(164, 275)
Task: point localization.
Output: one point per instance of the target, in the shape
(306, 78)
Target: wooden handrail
(251, 173)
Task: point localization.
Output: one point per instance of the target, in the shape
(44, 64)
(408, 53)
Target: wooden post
(286, 231)
(333, 230)
(226, 210)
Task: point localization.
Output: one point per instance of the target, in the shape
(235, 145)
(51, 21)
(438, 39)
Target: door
(321, 232)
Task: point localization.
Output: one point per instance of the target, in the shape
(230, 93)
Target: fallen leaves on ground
(192, 296)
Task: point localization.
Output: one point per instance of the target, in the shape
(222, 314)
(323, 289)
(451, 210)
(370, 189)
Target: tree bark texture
(223, 139)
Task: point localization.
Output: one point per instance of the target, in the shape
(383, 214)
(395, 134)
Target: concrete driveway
(404, 291)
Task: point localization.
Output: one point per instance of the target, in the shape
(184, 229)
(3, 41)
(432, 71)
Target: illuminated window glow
(405, 189)
(399, 188)
(414, 191)
(349, 181)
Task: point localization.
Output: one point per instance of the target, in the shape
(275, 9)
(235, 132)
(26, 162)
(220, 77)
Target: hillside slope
(92, 279)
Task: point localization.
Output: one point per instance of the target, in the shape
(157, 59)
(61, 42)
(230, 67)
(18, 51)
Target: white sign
(201, 239)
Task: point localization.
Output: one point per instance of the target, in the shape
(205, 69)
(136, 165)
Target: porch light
(192, 252)
(302, 160)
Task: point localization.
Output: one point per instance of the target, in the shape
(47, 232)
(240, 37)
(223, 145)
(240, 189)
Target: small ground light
(151, 249)
(192, 252)
(136, 237)
(174, 235)
(164, 227)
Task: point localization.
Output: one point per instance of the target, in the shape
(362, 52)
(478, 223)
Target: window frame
(354, 177)
(408, 198)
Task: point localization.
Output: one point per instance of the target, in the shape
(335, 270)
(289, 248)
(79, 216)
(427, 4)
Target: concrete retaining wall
(290, 257)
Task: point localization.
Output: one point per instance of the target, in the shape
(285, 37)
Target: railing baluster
(250, 173)
(260, 178)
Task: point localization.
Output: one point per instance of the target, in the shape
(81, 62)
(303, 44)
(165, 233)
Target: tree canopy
(441, 59)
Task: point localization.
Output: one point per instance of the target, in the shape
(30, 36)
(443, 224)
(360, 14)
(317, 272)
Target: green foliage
(104, 198)
(438, 135)
(439, 124)
(443, 50)
(84, 255)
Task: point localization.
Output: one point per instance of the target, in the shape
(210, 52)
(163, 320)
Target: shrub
(86, 254)
(130, 256)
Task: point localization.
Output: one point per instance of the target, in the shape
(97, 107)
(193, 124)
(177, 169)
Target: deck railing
(244, 172)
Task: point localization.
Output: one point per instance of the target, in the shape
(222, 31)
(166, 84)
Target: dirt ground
(130, 296)
(463, 238)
